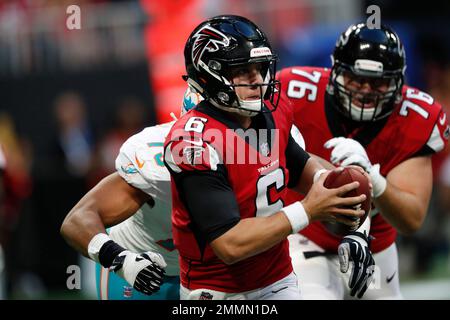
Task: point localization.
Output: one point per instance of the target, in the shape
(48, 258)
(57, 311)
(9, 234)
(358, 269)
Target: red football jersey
(416, 121)
(203, 143)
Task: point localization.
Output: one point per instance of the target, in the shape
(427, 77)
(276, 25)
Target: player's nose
(366, 86)
(254, 77)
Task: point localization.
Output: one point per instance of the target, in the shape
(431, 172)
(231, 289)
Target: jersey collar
(263, 121)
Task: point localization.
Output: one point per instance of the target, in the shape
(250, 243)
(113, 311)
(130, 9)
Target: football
(339, 178)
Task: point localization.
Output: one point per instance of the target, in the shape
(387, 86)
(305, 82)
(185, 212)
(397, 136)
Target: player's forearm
(251, 236)
(403, 210)
(324, 163)
(314, 164)
(110, 202)
(80, 226)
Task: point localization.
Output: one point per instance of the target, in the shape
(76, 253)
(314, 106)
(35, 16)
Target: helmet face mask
(359, 103)
(220, 47)
(368, 72)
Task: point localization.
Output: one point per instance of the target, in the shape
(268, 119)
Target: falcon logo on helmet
(209, 39)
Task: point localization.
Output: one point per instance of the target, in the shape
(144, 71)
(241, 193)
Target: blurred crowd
(38, 193)
(68, 102)
(61, 128)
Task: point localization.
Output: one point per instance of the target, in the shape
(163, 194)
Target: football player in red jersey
(360, 112)
(230, 224)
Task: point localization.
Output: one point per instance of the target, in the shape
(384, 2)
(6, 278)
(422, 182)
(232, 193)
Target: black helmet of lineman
(367, 53)
(224, 42)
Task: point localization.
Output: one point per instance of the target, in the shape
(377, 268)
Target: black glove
(355, 247)
(143, 271)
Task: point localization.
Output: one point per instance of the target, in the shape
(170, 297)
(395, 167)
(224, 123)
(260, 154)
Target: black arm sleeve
(296, 159)
(210, 201)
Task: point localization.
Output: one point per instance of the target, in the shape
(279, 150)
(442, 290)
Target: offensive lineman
(360, 112)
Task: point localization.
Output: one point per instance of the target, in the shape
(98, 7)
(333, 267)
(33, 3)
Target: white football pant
(284, 289)
(319, 275)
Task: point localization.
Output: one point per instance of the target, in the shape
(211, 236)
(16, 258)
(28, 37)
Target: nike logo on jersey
(389, 279)
(139, 163)
(198, 143)
(442, 119)
(139, 259)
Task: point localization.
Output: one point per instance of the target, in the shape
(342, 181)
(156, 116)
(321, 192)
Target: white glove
(143, 271)
(355, 248)
(350, 152)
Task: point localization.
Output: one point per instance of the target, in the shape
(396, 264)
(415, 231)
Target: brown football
(339, 178)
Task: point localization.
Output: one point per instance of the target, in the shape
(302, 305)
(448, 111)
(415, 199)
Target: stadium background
(69, 98)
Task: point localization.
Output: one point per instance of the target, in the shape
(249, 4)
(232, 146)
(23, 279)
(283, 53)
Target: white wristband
(297, 216)
(379, 182)
(317, 174)
(96, 244)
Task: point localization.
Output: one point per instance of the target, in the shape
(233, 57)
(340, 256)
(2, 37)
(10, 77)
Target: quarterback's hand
(350, 152)
(324, 204)
(355, 247)
(143, 271)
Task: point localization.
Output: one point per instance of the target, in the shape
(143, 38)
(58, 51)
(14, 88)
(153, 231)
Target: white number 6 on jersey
(273, 179)
(195, 124)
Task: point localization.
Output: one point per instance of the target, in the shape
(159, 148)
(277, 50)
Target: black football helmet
(217, 46)
(375, 55)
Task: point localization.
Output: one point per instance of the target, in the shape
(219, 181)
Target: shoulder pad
(140, 160)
